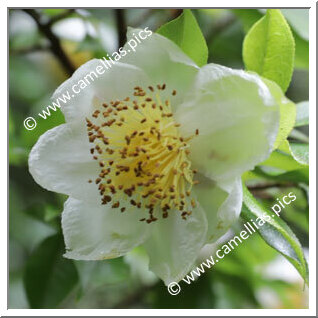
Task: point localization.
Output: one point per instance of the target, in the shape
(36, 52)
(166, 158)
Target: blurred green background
(46, 45)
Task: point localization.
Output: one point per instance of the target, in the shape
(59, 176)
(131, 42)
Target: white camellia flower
(152, 153)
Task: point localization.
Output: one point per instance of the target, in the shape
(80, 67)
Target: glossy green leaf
(250, 16)
(275, 232)
(283, 161)
(186, 33)
(300, 152)
(297, 176)
(287, 111)
(299, 136)
(269, 49)
(285, 165)
(49, 277)
(302, 115)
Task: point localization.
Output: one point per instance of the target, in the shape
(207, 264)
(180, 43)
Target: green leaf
(49, 277)
(269, 48)
(287, 111)
(301, 53)
(297, 176)
(275, 232)
(186, 33)
(282, 161)
(299, 136)
(248, 17)
(302, 115)
(291, 166)
(300, 152)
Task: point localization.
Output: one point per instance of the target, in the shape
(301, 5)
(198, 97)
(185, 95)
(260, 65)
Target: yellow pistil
(141, 154)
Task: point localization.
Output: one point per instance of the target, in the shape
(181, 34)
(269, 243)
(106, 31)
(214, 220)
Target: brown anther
(112, 189)
(107, 198)
(174, 92)
(197, 131)
(92, 138)
(115, 205)
(127, 140)
(134, 134)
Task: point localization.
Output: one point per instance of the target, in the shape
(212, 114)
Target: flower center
(142, 155)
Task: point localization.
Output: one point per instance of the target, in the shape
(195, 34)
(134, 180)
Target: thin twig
(259, 187)
(55, 45)
(121, 26)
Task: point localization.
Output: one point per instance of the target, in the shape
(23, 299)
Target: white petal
(222, 204)
(237, 118)
(117, 82)
(164, 62)
(95, 232)
(61, 161)
(175, 244)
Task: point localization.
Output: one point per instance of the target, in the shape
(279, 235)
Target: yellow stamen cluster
(143, 158)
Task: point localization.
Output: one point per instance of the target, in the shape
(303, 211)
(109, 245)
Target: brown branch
(175, 13)
(260, 187)
(121, 26)
(55, 44)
